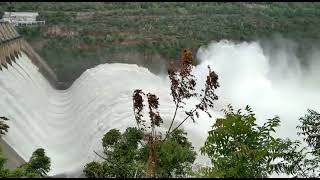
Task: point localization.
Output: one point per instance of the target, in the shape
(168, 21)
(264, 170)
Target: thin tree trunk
(174, 117)
(150, 172)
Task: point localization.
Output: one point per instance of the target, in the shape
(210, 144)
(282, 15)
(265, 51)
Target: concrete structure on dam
(22, 18)
(11, 45)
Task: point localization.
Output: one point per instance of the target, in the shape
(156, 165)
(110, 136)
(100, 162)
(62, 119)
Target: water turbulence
(69, 124)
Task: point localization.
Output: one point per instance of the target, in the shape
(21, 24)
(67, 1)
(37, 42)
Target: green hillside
(78, 36)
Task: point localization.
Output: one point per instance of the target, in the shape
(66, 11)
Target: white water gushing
(69, 124)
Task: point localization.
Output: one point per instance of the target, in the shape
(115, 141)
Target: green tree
(176, 156)
(94, 170)
(183, 84)
(38, 165)
(311, 131)
(306, 163)
(126, 155)
(121, 155)
(238, 147)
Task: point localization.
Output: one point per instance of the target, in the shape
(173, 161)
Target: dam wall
(12, 44)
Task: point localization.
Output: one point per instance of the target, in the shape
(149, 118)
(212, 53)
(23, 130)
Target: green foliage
(161, 28)
(94, 170)
(311, 131)
(126, 155)
(37, 167)
(3, 172)
(121, 152)
(110, 138)
(240, 148)
(31, 33)
(306, 163)
(176, 156)
(39, 163)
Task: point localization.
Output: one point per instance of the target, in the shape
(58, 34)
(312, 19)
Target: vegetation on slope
(78, 36)
(37, 167)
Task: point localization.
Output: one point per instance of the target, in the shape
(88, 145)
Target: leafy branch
(183, 84)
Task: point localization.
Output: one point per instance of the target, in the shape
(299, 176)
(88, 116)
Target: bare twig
(174, 116)
(133, 108)
(197, 107)
(182, 122)
(101, 156)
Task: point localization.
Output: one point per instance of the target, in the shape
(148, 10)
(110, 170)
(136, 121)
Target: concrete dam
(69, 124)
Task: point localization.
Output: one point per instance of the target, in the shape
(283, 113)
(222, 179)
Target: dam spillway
(12, 44)
(69, 124)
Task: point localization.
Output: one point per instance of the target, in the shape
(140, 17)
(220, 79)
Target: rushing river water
(69, 124)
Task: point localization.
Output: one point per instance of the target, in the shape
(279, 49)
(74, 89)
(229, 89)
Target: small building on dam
(22, 18)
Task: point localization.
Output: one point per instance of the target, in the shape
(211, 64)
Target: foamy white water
(69, 124)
